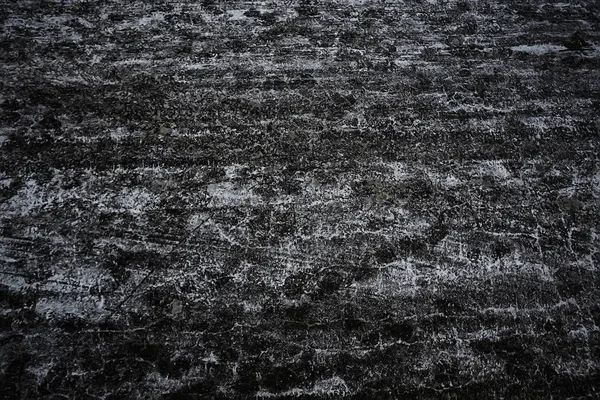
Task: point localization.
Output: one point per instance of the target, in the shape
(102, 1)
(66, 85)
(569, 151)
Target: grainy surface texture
(360, 199)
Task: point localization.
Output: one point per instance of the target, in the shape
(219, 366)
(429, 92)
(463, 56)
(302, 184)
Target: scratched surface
(243, 199)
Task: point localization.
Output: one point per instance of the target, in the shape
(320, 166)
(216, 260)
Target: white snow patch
(4, 180)
(398, 278)
(399, 170)
(133, 61)
(493, 168)
(538, 124)
(236, 15)
(451, 181)
(230, 194)
(596, 182)
(538, 49)
(153, 18)
(402, 62)
(119, 133)
(29, 198)
(157, 382)
(324, 194)
(334, 386)
(331, 386)
(211, 359)
(268, 66)
(135, 200)
(537, 270)
(579, 334)
(196, 66)
(80, 306)
(6, 259)
(40, 370)
(78, 279)
(438, 45)
(502, 310)
(232, 171)
(250, 306)
(196, 220)
(15, 282)
(415, 226)
(295, 41)
(85, 22)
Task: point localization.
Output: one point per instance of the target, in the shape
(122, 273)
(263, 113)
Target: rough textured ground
(384, 199)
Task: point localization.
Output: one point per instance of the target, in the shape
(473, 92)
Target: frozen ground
(293, 200)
